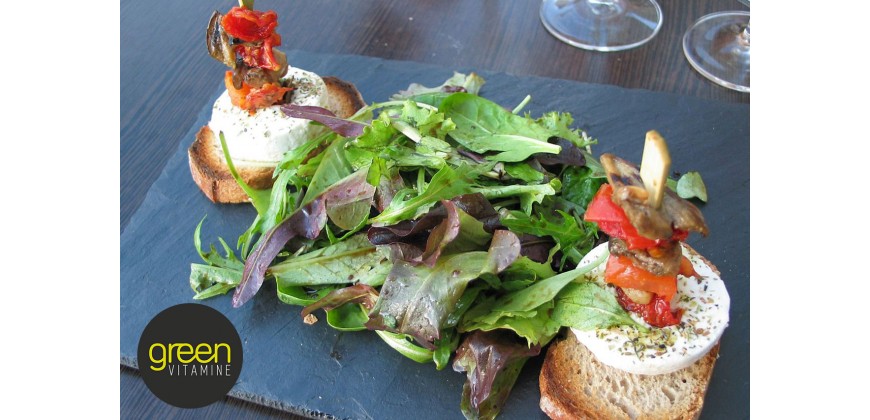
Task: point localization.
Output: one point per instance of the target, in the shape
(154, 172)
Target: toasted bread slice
(574, 385)
(209, 169)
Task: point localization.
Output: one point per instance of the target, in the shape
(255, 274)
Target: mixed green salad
(450, 226)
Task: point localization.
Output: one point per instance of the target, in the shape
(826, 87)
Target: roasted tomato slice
(656, 313)
(249, 25)
(252, 99)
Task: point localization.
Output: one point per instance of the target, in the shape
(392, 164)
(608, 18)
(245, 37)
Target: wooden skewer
(654, 167)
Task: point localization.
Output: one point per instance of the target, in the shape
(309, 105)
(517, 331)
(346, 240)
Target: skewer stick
(654, 167)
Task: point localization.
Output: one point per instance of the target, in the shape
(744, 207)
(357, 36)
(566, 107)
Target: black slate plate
(317, 371)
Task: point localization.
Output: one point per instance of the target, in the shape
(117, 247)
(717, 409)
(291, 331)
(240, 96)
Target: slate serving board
(320, 372)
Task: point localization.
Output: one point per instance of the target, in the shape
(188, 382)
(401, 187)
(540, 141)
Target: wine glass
(602, 25)
(717, 45)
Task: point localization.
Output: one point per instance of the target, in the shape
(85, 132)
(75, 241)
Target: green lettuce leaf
(350, 261)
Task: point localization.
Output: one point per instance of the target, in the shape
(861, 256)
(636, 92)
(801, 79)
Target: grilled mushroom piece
(662, 260)
(630, 194)
(218, 41)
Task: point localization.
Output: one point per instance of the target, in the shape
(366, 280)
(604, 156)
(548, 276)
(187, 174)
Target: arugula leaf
(560, 124)
(587, 306)
(483, 125)
(446, 184)
(220, 276)
(213, 257)
(459, 82)
(307, 222)
(209, 281)
(259, 198)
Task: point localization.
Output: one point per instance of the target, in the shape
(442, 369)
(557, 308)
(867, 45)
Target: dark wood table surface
(167, 77)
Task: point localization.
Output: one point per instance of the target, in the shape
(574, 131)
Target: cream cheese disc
(262, 139)
(664, 350)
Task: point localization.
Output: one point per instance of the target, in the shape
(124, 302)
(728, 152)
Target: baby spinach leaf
(543, 291)
(483, 126)
(588, 306)
(580, 186)
(561, 226)
(404, 345)
(349, 317)
(259, 198)
(444, 348)
(303, 296)
(524, 172)
(691, 185)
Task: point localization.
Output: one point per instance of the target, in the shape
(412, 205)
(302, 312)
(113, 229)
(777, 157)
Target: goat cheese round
(264, 137)
(705, 302)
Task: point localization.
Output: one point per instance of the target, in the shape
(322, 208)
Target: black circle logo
(190, 355)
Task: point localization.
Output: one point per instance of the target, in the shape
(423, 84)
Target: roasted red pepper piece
(656, 313)
(611, 219)
(621, 272)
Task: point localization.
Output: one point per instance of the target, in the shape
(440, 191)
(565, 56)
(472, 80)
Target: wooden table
(167, 77)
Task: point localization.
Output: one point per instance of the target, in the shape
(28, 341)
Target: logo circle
(190, 355)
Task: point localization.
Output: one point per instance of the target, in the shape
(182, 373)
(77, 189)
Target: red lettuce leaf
(340, 126)
(442, 235)
(570, 155)
(418, 300)
(307, 222)
(414, 232)
(492, 360)
(362, 294)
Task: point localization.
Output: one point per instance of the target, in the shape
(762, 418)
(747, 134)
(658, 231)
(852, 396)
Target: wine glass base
(602, 25)
(717, 47)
